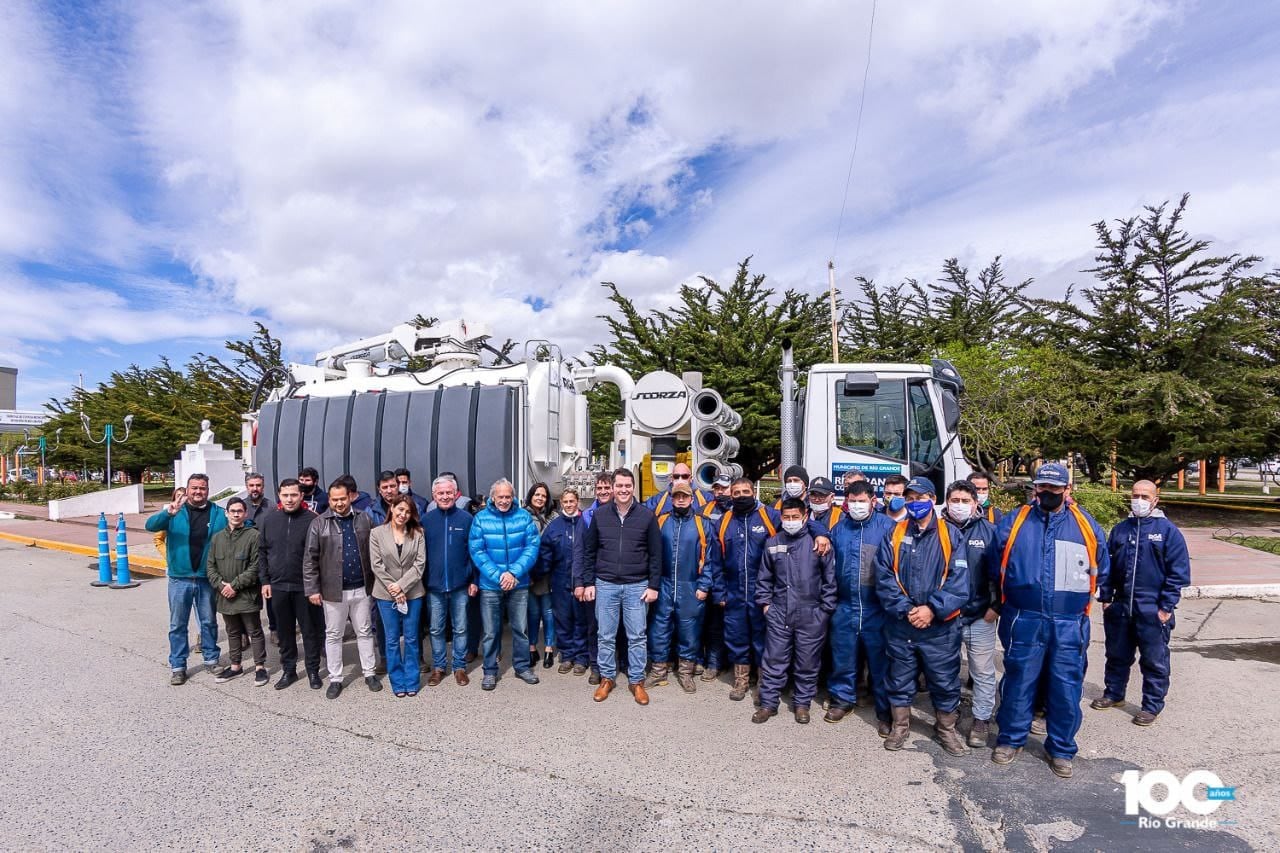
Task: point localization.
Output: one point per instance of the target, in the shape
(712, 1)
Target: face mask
(960, 512)
(724, 502)
(858, 510)
(744, 505)
(919, 509)
(680, 512)
(819, 507)
(983, 500)
(1049, 501)
(795, 490)
(404, 488)
(1141, 507)
(793, 527)
(895, 503)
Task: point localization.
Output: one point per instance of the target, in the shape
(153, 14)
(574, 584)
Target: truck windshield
(872, 423)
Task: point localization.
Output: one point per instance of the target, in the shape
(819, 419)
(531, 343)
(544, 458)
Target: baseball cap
(921, 486)
(1052, 474)
(822, 486)
(723, 480)
(681, 487)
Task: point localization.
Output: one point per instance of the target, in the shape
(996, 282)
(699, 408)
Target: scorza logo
(659, 395)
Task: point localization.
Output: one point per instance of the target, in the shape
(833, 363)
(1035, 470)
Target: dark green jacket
(233, 559)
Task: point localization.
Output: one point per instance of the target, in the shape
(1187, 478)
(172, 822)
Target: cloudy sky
(170, 172)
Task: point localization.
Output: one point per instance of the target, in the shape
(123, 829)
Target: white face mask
(795, 490)
(793, 527)
(1141, 507)
(960, 511)
(404, 488)
(819, 507)
(859, 510)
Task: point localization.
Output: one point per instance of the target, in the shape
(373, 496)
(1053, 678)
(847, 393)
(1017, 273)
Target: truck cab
(880, 418)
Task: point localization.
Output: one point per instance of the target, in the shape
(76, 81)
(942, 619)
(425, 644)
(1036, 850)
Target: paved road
(100, 752)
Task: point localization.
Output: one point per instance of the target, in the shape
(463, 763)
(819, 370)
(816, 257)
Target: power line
(857, 132)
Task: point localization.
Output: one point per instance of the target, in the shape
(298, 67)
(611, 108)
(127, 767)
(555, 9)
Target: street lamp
(108, 436)
(43, 444)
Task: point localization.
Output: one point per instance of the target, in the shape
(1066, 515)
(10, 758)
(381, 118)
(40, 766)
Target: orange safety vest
(764, 516)
(1086, 532)
(944, 539)
(702, 537)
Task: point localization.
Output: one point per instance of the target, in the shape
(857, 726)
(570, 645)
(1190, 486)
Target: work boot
(1006, 754)
(741, 681)
(603, 691)
(1102, 703)
(1038, 725)
(836, 711)
(684, 676)
(565, 667)
(762, 715)
(579, 669)
(883, 727)
(1144, 718)
(1061, 767)
(657, 675)
(978, 734)
(945, 729)
(801, 713)
(901, 728)
(711, 673)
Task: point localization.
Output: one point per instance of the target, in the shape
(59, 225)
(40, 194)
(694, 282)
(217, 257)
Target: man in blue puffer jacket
(857, 626)
(1150, 566)
(1047, 559)
(504, 546)
(690, 576)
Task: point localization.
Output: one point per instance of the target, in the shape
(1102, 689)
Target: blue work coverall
(690, 564)
(857, 626)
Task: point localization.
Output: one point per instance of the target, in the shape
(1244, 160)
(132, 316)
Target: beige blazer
(405, 568)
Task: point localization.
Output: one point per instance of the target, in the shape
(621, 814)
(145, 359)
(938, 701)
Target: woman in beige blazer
(398, 558)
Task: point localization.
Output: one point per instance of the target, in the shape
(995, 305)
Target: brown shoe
(801, 714)
(836, 712)
(565, 667)
(437, 676)
(1102, 703)
(762, 715)
(460, 676)
(884, 728)
(637, 690)
(603, 691)
(1144, 718)
(978, 734)
(1061, 767)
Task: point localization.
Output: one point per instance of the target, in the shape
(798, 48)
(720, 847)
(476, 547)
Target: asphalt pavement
(101, 753)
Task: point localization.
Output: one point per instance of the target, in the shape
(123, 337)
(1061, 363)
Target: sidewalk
(80, 536)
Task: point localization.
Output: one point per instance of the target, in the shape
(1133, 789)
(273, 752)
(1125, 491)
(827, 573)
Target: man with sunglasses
(661, 502)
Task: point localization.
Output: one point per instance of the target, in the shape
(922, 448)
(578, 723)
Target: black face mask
(1050, 501)
(680, 512)
(724, 502)
(742, 506)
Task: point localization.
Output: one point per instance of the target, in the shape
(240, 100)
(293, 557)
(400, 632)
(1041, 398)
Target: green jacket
(233, 559)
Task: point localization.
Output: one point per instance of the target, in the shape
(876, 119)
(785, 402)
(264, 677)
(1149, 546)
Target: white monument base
(222, 467)
(111, 501)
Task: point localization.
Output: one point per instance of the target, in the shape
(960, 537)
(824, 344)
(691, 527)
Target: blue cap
(921, 486)
(1052, 474)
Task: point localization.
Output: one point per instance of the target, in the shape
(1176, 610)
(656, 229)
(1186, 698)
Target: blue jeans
(622, 602)
(402, 667)
(183, 594)
(516, 602)
(452, 605)
(542, 614)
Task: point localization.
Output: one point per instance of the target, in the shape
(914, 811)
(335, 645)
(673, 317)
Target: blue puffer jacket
(503, 542)
(691, 560)
(856, 544)
(177, 551)
(1149, 565)
(560, 551)
(448, 549)
(1048, 568)
(923, 577)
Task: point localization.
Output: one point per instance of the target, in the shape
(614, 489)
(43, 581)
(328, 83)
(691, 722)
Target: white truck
(880, 418)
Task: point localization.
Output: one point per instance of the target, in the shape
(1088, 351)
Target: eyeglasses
(681, 476)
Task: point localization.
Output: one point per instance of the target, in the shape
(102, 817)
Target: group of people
(887, 594)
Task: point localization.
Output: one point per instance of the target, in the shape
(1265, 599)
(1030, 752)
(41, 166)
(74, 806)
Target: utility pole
(831, 286)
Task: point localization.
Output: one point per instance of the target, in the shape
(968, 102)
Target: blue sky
(170, 173)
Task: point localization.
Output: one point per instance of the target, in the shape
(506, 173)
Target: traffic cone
(104, 557)
(123, 580)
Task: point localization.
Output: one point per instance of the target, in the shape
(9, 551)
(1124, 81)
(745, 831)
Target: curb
(149, 566)
(1243, 590)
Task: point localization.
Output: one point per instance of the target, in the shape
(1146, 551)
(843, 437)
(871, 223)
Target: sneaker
(228, 674)
(527, 676)
(286, 678)
(1061, 767)
(178, 678)
(1144, 718)
(489, 682)
(1102, 703)
(260, 678)
(334, 691)
(372, 682)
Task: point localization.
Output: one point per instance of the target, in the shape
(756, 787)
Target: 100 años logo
(1140, 793)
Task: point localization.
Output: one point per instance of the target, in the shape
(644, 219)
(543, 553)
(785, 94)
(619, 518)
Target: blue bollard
(123, 579)
(104, 557)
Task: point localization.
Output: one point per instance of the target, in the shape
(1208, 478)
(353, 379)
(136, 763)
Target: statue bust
(206, 432)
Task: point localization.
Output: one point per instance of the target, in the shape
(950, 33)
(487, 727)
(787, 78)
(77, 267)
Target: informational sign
(874, 471)
(12, 417)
